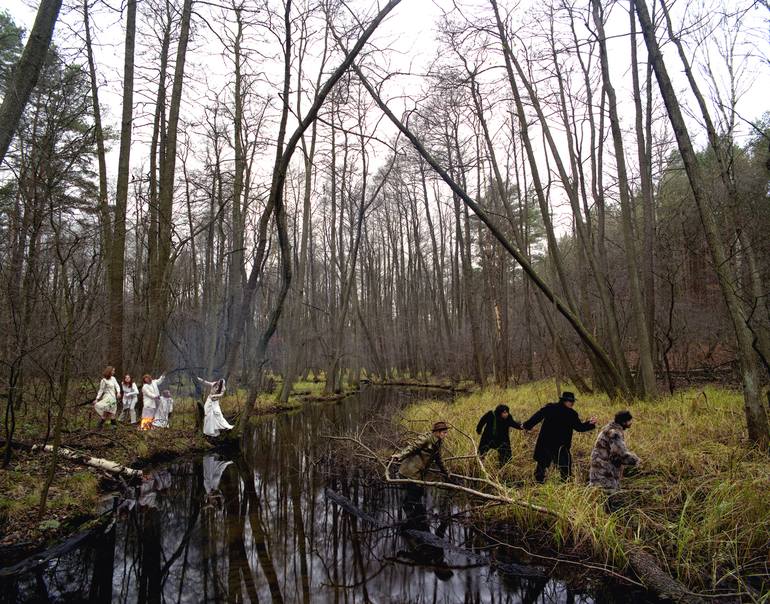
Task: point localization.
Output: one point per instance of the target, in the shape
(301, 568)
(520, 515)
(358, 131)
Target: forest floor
(79, 494)
(698, 501)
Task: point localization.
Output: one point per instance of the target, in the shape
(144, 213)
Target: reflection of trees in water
(266, 532)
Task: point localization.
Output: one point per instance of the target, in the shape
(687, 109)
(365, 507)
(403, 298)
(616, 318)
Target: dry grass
(699, 498)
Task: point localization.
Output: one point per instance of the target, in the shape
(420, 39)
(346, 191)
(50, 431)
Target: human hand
(592, 420)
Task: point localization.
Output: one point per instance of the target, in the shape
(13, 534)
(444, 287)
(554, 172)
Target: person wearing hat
(555, 438)
(417, 458)
(496, 425)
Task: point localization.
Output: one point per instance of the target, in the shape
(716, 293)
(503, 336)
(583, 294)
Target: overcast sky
(410, 31)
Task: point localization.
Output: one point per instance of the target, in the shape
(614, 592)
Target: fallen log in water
(94, 462)
(656, 579)
(429, 539)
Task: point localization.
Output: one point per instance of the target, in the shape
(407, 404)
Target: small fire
(146, 423)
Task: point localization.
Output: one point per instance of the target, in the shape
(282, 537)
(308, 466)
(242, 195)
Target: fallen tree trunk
(94, 462)
(419, 385)
(656, 579)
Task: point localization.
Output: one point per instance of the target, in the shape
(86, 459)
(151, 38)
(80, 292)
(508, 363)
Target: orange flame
(146, 423)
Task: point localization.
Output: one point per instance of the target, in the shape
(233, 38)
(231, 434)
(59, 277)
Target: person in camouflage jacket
(416, 459)
(610, 454)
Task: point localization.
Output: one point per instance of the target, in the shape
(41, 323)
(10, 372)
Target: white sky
(410, 30)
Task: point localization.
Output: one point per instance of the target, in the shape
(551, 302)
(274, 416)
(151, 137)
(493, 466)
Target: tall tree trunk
(162, 267)
(104, 213)
(27, 71)
(644, 154)
(756, 416)
(646, 367)
(115, 268)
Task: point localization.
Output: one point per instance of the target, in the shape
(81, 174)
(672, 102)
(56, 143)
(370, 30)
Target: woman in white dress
(106, 402)
(130, 397)
(163, 412)
(214, 422)
(150, 399)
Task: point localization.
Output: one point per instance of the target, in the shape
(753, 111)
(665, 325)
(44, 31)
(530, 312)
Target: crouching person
(609, 455)
(416, 459)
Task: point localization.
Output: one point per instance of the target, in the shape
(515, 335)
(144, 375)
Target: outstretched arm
(513, 423)
(205, 383)
(535, 419)
(586, 426)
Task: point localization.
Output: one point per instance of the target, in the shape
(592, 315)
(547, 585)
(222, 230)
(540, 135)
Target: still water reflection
(264, 528)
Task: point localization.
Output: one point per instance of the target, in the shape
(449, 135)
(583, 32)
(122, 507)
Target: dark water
(262, 528)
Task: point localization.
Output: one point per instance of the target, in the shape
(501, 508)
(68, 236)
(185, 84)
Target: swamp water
(275, 525)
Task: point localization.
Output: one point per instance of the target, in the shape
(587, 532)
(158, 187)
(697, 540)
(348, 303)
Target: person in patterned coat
(610, 454)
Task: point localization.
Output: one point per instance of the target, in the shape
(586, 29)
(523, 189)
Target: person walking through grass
(560, 420)
(610, 454)
(496, 426)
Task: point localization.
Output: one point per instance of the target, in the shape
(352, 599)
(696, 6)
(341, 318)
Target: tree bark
(646, 367)
(27, 71)
(116, 266)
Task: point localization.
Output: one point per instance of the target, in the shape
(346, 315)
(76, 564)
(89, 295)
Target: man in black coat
(555, 438)
(495, 436)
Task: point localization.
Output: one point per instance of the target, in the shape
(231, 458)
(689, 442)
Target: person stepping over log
(416, 459)
(496, 426)
(555, 438)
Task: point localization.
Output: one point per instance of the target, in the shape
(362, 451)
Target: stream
(288, 521)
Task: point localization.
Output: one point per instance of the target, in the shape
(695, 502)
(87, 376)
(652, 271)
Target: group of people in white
(157, 404)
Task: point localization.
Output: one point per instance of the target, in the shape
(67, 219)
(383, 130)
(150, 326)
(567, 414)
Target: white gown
(213, 468)
(213, 421)
(150, 398)
(165, 406)
(130, 397)
(107, 397)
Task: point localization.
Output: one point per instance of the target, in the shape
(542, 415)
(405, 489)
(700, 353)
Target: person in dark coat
(495, 425)
(555, 438)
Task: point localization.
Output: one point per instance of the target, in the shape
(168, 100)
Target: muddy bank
(79, 494)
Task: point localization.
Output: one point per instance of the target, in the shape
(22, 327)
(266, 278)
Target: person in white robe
(213, 421)
(130, 398)
(213, 468)
(163, 411)
(106, 402)
(150, 399)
